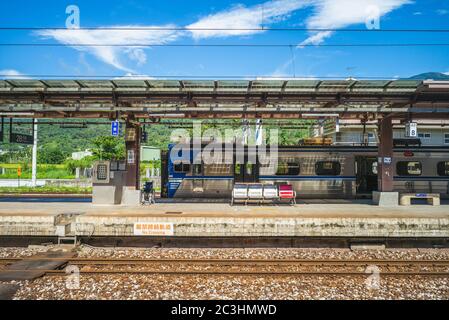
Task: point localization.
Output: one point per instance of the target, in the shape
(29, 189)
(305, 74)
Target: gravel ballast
(141, 286)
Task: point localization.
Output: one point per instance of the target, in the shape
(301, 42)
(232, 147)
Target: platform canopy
(222, 98)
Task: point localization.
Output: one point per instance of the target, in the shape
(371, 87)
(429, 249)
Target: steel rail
(132, 261)
(243, 273)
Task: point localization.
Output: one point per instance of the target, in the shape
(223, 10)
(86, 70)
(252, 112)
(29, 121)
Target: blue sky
(234, 61)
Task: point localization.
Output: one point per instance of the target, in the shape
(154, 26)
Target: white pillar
(34, 161)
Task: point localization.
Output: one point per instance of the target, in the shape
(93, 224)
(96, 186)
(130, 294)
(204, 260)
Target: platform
(318, 218)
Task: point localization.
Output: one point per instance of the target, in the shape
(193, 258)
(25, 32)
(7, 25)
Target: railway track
(331, 267)
(136, 261)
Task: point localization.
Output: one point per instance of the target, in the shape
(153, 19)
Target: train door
(366, 174)
(164, 174)
(246, 171)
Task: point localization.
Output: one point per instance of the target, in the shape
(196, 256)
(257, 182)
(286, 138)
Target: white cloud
(113, 55)
(327, 14)
(337, 14)
(132, 76)
(138, 55)
(11, 74)
(241, 17)
(442, 12)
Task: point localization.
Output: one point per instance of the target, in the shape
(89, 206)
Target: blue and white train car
(314, 171)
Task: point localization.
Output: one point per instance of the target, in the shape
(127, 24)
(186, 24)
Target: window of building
(424, 135)
(288, 168)
(180, 167)
(409, 168)
(446, 138)
(443, 168)
(327, 168)
(218, 169)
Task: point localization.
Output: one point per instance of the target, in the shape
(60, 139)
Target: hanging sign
(131, 156)
(20, 137)
(115, 128)
(411, 129)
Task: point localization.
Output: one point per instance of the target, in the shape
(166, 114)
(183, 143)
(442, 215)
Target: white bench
(432, 198)
(261, 193)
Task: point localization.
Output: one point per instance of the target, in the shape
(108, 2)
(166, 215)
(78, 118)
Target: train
(315, 172)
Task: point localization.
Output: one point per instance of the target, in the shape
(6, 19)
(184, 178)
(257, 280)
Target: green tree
(51, 153)
(108, 148)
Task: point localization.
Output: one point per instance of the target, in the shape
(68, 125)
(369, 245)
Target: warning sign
(153, 229)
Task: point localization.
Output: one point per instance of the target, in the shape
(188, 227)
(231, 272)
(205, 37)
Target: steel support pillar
(385, 155)
(132, 143)
(386, 195)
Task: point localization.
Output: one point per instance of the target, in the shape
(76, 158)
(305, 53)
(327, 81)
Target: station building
(354, 132)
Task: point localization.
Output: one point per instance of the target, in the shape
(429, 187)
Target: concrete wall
(196, 226)
(46, 182)
(84, 225)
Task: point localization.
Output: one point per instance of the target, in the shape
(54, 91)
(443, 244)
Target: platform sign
(153, 229)
(411, 129)
(115, 128)
(20, 138)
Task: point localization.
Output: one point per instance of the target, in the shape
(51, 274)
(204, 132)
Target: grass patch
(45, 190)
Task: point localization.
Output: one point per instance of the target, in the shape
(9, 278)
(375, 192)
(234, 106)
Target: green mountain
(431, 76)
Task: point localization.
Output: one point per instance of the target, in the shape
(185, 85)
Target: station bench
(432, 198)
(260, 193)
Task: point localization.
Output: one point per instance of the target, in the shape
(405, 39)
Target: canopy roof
(145, 98)
(213, 86)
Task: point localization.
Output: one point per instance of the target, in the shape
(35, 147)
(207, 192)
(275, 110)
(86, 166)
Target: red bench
(286, 192)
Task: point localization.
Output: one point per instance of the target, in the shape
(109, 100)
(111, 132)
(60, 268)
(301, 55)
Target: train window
(217, 169)
(424, 135)
(237, 169)
(443, 168)
(249, 168)
(288, 169)
(327, 168)
(197, 169)
(181, 167)
(374, 168)
(409, 168)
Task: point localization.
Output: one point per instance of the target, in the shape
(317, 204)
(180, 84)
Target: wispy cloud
(241, 17)
(114, 55)
(338, 14)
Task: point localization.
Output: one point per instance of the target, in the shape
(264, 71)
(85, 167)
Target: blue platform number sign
(115, 128)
